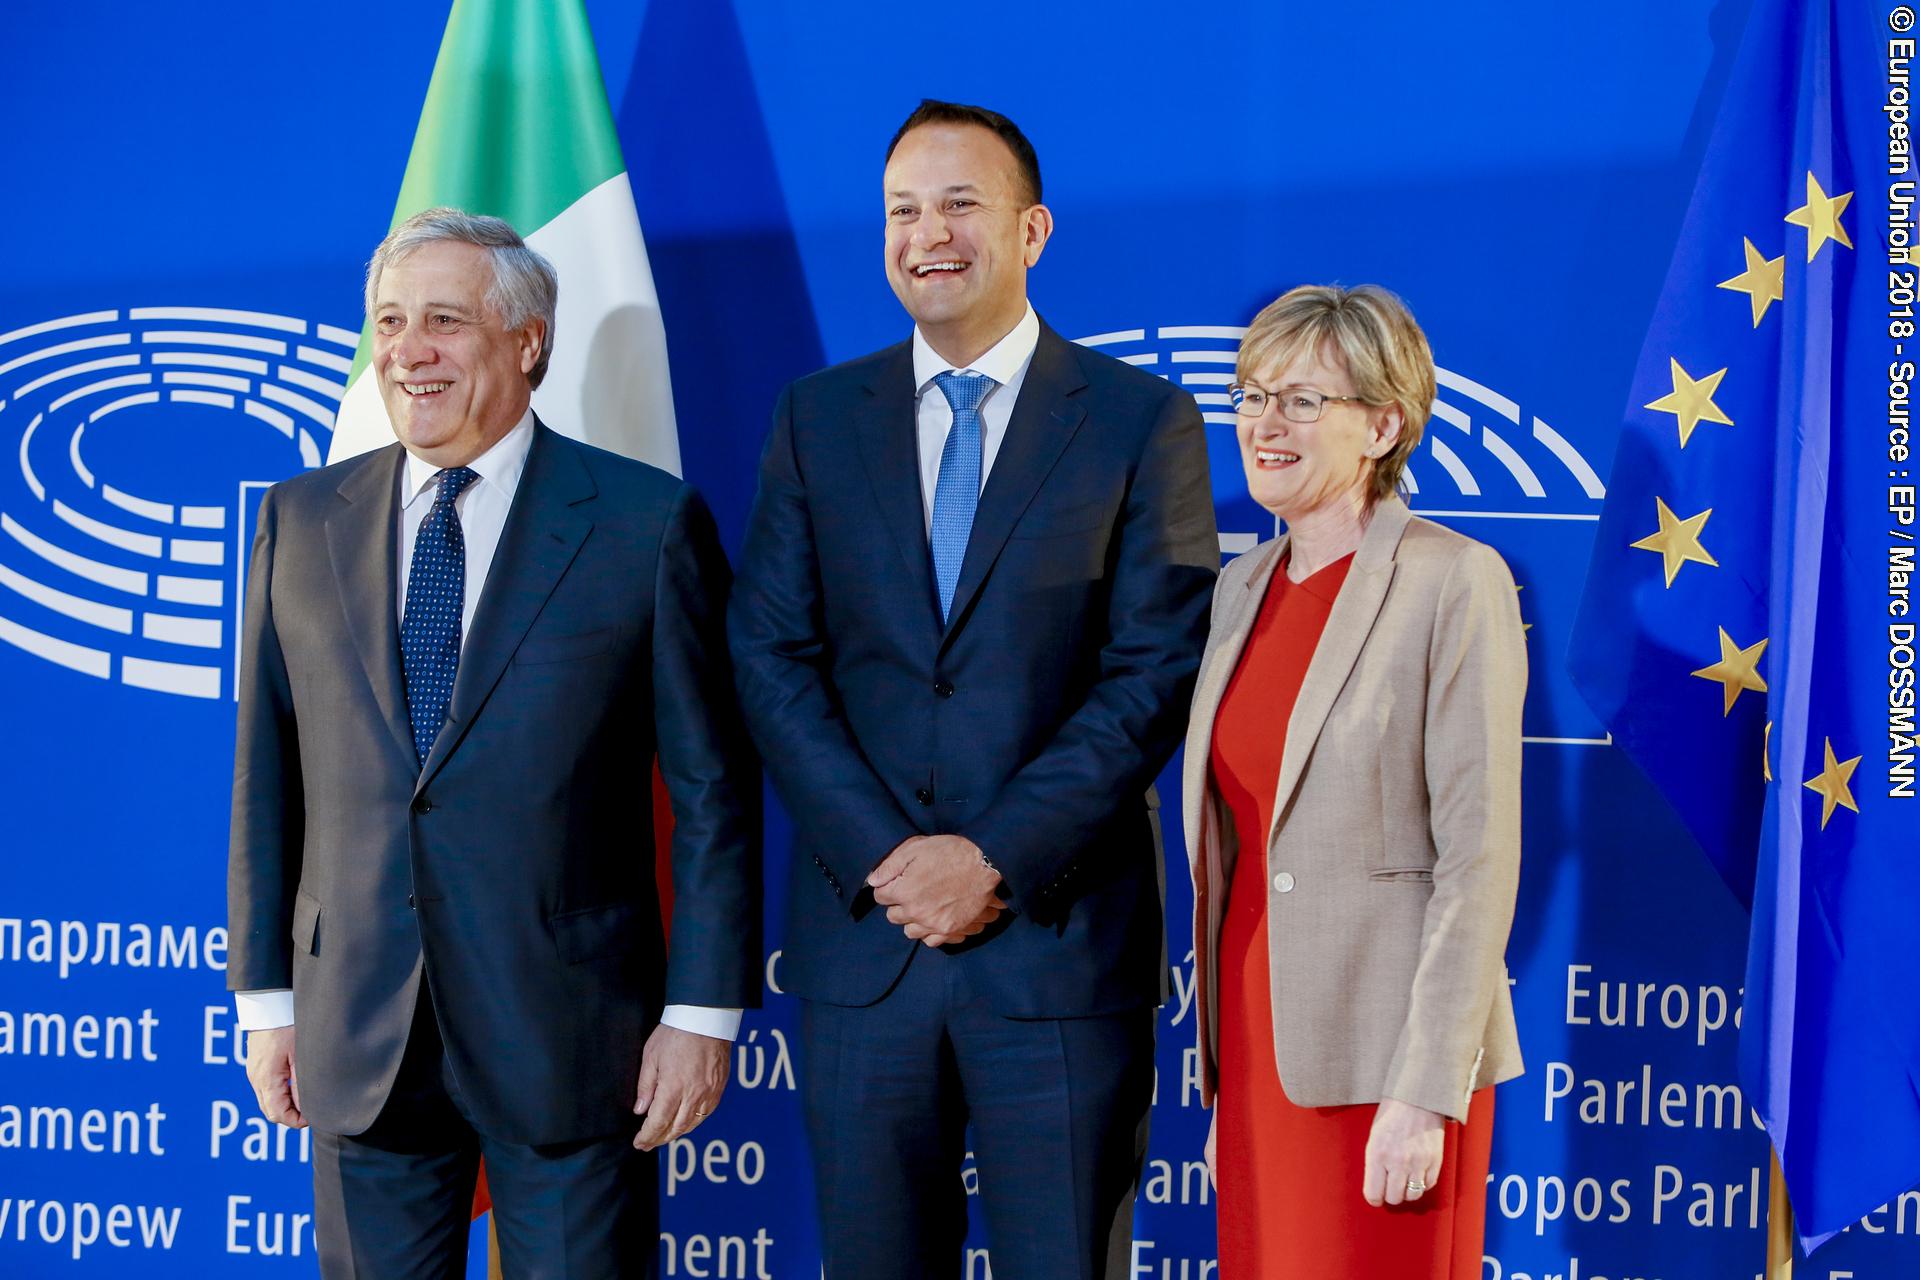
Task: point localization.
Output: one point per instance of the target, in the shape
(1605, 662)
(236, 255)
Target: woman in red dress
(1353, 819)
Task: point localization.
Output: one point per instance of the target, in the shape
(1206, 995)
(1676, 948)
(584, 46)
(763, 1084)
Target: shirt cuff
(701, 1020)
(264, 1010)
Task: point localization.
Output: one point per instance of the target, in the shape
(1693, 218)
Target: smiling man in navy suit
(969, 613)
(461, 655)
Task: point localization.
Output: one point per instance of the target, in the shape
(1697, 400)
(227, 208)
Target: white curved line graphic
(61, 349)
(26, 463)
(171, 677)
(74, 370)
(1570, 458)
(1406, 478)
(1529, 482)
(95, 388)
(204, 517)
(299, 403)
(73, 457)
(334, 333)
(311, 381)
(124, 402)
(1207, 379)
(197, 551)
(325, 359)
(1230, 332)
(64, 322)
(1228, 419)
(221, 380)
(1450, 460)
(213, 338)
(171, 628)
(1144, 358)
(1097, 340)
(1204, 357)
(75, 657)
(220, 315)
(210, 360)
(1468, 387)
(130, 581)
(202, 591)
(279, 421)
(88, 611)
(140, 544)
(146, 509)
(218, 399)
(1451, 416)
(309, 450)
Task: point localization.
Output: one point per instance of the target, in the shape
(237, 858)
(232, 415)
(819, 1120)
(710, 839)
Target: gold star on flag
(1524, 626)
(1764, 281)
(1766, 748)
(1691, 400)
(1831, 785)
(1737, 670)
(1820, 215)
(1678, 540)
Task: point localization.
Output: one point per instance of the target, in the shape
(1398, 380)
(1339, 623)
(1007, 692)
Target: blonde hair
(1375, 338)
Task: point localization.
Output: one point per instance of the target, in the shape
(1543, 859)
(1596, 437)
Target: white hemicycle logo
(141, 437)
(1476, 460)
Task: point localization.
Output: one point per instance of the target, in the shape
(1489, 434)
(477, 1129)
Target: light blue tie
(436, 598)
(956, 494)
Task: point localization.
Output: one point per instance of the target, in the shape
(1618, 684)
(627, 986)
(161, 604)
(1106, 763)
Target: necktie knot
(454, 481)
(964, 391)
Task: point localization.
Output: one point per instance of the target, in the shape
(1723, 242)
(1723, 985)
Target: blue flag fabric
(1745, 632)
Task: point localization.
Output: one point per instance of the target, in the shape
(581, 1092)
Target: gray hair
(525, 286)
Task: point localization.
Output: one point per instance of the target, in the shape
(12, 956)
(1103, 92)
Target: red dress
(1290, 1203)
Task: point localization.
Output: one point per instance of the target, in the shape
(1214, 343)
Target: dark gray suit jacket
(515, 866)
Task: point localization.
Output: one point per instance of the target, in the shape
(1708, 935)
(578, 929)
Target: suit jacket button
(923, 795)
(422, 805)
(944, 688)
(1283, 883)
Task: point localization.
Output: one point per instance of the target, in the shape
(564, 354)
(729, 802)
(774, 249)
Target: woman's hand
(1403, 1152)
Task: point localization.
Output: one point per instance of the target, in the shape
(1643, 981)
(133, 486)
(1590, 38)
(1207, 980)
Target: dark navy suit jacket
(1032, 722)
(515, 867)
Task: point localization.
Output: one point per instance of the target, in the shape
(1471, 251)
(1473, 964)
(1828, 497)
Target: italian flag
(516, 125)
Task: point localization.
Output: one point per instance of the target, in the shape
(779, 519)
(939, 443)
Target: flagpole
(1779, 1223)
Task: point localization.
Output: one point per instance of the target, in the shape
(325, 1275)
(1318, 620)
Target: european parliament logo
(1486, 466)
(140, 441)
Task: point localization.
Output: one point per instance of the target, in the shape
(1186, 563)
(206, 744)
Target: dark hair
(934, 111)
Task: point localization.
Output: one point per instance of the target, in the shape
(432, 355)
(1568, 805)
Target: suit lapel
(1238, 609)
(888, 441)
(1044, 420)
(544, 531)
(363, 544)
(1348, 625)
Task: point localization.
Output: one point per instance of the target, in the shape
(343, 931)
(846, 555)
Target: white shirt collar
(1002, 362)
(499, 466)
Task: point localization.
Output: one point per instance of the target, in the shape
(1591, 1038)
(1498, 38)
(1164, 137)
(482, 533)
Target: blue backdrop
(1519, 181)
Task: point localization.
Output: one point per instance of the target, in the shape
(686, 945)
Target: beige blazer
(1395, 851)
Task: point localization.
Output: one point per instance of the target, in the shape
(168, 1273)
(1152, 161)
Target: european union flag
(1746, 632)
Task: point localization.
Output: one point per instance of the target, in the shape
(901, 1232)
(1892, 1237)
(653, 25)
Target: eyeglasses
(1296, 404)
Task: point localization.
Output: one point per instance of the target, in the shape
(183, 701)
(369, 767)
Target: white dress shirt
(1006, 363)
(482, 506)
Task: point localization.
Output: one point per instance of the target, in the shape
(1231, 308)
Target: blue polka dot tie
(436, 597)
(956, 494)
